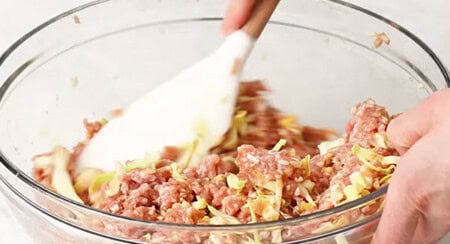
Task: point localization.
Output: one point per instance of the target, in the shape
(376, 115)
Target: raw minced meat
(267, 168)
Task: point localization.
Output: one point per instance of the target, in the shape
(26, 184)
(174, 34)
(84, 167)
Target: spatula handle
(262, 10)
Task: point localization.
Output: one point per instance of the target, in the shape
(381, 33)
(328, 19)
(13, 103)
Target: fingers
(408, 128)
(399, 219)
(237, 14)
(416, 209)
(430, 230)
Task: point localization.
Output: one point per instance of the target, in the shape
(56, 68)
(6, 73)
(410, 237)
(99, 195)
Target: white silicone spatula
(196, 105)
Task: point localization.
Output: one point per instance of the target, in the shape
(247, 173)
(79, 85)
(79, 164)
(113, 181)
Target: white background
(430, 20)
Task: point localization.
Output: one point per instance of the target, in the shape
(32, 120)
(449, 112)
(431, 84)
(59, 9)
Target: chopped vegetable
(388, 160)
(176, 173)
(85, 178)
(61, 180)
(351, 193)
(200, 203)
(264, 206)
(306, 163)
(188, 155)
(269, 185)
(149, 161)
(381, 140)
(238, 127)
(221, 218)
(279, 145)
(385, 179)
(103, 121)
(368, 156)
(288, 121)
(304, 206)
(235, 183)
(308, 184)
(359, 182)
(326, 146)
(278, 194)
(99, 180)
(114, 184)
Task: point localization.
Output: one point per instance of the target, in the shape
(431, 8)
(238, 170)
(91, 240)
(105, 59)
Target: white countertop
(430, 20)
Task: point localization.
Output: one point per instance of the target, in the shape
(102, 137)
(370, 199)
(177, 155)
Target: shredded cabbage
(351, 193)
(288, 121)
(149, 161)
(269, 185)
(304, 193)
(359, 182)
(103, 121)
(304, 206)
(270, 213)
(278, 194)
(306, 163)
(189, 151)
(85, 178)
(308, 184)
(114, 184)
(219, 178)
(235, 183)
(326, 146)
(368, 156)
(200, 204)
(252, 212)
(280, 144)
(176, 173)
(99, 180)
(388, 160)
(238, 127)
(221, 218)
(385, 179)
(336, 195)
(61, 181)
(381, 140)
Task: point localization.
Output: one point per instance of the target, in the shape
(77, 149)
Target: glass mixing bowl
(317, 56)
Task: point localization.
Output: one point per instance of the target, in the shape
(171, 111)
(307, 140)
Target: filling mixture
(268, 167)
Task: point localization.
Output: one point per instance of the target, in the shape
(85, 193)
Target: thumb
(405, 130)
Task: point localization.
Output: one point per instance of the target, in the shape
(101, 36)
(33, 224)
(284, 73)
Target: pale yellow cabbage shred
(326, 146)
(148, 161)
(220, 218)
(256, 237)
(288, 121)
(235, 183)
(114, 184)
(85, 178)
(61, 181)
(239, 126)
(280, 144)
(99, 180)
(369, 157)
(200, 204)
(381, 140)
(176, 172)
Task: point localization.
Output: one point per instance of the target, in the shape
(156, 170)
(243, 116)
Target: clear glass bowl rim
(22, 176)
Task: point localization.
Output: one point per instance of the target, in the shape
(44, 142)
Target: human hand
(417, 206)
(237, 14)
